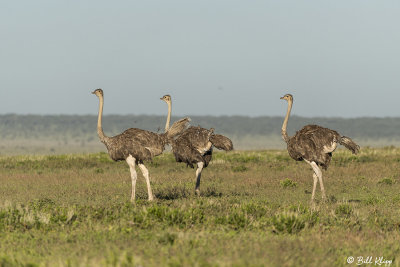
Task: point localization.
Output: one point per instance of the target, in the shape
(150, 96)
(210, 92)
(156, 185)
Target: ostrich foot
(313, 205)
(197, 192)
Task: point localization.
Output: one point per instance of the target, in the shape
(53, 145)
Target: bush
(288, 222)
(287, 183)
(387, 181)
(240, 168)
(344, 210)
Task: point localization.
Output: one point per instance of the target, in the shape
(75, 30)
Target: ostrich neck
(168, 116)
(285, 122)
(99, 119)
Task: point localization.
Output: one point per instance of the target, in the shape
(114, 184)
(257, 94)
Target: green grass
(254, 210)
(288, 183)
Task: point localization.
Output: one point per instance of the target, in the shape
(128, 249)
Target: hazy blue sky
(215, 57)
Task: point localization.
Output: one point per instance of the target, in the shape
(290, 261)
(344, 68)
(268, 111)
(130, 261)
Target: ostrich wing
(195, 145)
(141, 144)
(313, 143)
(192, 145)
(301, 147)
(185, 152)
(118, 149)
(322, 138)
(196, 137)
(154, 142)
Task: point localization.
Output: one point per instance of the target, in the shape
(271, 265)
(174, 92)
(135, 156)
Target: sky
(214, 57)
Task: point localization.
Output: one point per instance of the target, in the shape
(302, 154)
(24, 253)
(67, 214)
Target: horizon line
(193, 115)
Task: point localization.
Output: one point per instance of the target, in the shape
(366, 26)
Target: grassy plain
(254, 210)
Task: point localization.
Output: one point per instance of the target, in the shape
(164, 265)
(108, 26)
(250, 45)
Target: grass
(288, 183)
(254, 210)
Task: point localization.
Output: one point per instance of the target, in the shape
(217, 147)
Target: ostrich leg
(198, 177)
(322, 187)
(314, 187)
(146, 176)
(131, 162)
(318, 172)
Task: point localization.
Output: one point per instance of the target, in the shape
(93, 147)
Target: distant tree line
(14, 126)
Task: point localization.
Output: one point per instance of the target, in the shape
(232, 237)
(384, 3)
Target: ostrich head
(166, 98)
(288, 97)
(98, 92)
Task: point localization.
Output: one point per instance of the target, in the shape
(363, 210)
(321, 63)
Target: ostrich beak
(161, 98)
(282, 97)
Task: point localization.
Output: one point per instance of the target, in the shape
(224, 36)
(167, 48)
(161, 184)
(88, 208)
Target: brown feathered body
(141, 144)
(196, 145)
(316, 143)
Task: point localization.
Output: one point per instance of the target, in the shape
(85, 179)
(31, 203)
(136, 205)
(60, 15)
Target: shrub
(287, 222)
(387, 181)
(169, 193)
(287, 183)
(371, 200)
(240, 168)
(99, 170)
(344, 210)
(167, 238)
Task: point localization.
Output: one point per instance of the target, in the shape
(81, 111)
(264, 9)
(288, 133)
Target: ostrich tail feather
(178, 127)
(221, 142)
(349, 144)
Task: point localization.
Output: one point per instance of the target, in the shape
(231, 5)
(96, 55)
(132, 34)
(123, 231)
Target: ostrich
(195, 145)
(314, 144)
(136, 145)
